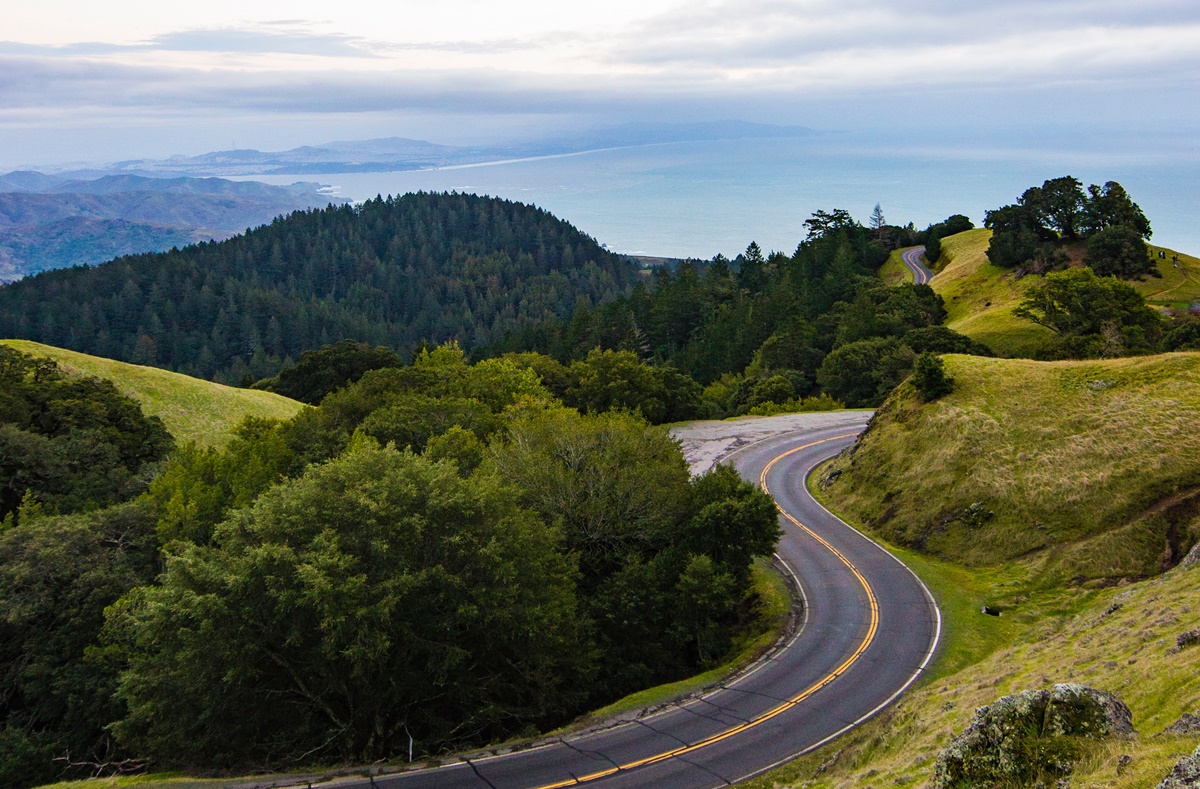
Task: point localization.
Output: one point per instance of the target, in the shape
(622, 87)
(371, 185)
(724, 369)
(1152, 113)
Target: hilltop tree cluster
(1033, 232)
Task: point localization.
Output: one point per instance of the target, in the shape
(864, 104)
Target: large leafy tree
(330, 367)
(57, 574)
(1092, 316)
(664, 563)
(1110, 206)
(1119, 251)
(376, 596)
(862, 373)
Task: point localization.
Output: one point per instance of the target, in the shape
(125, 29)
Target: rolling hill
(1083, 470)
(193, 410)
(980, 297)
(395, 272)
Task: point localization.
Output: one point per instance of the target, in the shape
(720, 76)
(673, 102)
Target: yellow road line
(872, 628)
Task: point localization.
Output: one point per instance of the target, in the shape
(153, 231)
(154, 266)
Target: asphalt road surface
(912, 259)
(869, 629)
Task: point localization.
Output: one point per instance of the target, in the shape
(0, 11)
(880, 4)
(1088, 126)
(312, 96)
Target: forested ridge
(422, 268)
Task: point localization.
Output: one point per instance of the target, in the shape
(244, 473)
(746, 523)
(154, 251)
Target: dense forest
(764, 330)
(441, 550)
(422, 268)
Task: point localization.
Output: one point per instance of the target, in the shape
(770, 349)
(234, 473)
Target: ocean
(702, 198)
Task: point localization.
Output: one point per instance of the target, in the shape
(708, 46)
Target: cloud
(280, 37)
(750, 57)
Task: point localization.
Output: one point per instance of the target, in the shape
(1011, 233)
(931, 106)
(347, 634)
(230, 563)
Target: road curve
(870, 628)
(912, 259)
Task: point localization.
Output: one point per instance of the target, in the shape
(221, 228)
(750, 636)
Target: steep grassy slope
(893, 271)
(192, 409)
(980, 297)
(1120, 640)
(1083, 468)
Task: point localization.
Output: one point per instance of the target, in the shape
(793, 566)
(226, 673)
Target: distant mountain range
(98, 212)
(392, 154)
(49, 221)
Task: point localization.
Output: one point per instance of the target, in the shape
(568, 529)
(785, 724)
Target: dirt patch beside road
(707, 443)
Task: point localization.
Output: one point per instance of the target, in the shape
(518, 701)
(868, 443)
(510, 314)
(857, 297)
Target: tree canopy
(1031, 233)
(396, 272)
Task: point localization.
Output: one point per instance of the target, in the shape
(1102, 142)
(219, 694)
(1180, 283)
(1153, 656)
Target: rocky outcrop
(1030, 735)
(1192, 558)
(1186, 774)
(1187, 724)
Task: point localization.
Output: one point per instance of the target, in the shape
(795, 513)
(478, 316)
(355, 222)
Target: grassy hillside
(192, 409)
(1118, 639)
(1179, 285)
(1080, 468)
(893, 271)
(980, 297)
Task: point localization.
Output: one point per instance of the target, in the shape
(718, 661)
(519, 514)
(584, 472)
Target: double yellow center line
(872, 628)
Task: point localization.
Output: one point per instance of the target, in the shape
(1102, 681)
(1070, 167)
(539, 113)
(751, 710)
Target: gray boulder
(1187, 724)
(1186, 774)
(1030, 735)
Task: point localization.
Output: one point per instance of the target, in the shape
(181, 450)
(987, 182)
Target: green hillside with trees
(192, 410)
(395, 272)
(499, 515)
(238, 608)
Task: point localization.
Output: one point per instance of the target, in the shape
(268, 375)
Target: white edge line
(929, 653)
(754, 667)
(465, 761)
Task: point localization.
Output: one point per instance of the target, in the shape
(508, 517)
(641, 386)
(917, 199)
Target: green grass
(192, 409)
(893, 271)
(1178, 286)
(1060, 464)
(980, 297)
(1062, 637)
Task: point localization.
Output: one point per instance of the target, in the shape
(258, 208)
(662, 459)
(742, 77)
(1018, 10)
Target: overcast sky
(82, 80)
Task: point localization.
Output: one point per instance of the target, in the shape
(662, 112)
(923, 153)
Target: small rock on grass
(1186, 774)
(1187, 724)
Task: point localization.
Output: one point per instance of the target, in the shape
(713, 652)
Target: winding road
(912, 259)
(869, 629)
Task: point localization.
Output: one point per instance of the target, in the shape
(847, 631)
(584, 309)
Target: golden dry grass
(192, 409)
(1128, 652)
(1027, 459)
(980, 297)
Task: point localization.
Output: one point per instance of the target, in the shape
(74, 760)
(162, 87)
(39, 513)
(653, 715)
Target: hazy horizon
(1094, 89)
